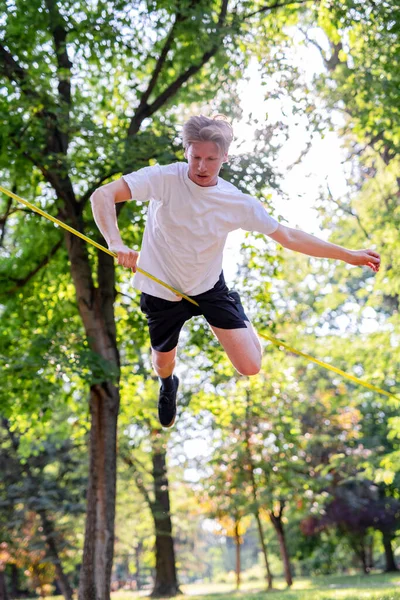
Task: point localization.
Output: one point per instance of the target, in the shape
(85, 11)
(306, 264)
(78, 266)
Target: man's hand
(368, 258)
(126, 257)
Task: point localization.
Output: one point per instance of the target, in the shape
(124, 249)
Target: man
(190, 214)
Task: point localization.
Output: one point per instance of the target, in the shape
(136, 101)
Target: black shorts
(221, 308)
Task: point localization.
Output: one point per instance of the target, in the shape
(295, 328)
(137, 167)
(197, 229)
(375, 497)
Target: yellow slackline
(89, 241)
(266, 336)
(279, 343)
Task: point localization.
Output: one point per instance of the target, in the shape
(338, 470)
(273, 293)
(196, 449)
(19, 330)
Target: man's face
(205, 161)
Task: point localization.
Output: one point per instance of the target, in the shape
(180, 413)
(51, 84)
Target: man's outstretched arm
(299, 241)
(103, 206)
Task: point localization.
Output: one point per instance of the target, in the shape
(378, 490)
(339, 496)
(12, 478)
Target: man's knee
(162, 360)
(249, 368)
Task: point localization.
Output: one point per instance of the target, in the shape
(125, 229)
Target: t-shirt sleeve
(146, 184)
(257, 218)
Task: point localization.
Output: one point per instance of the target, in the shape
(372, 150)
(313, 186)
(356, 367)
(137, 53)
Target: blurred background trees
(89, 92)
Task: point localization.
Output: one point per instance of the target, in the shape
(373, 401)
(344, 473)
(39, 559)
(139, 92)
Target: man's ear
(225, 158)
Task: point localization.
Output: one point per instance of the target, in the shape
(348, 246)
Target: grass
(345, 587)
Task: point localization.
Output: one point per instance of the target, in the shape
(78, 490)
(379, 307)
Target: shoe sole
(170, 424)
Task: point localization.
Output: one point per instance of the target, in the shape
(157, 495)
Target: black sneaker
(167, 404)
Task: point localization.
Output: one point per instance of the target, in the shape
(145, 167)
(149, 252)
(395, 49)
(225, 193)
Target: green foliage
(306, 429)
(41, 498)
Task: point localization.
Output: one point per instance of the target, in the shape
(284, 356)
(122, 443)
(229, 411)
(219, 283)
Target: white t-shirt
(187, 226)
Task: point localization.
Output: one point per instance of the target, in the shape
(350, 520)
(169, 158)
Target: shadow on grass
(336, 587)
(315, 594)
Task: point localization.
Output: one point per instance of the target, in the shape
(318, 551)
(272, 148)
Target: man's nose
(202, 165)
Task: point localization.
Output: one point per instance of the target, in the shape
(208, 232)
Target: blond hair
(203, 129)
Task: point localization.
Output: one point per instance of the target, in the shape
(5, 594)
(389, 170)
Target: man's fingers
(374, 256)
(373, 266)
(373, 259)
(128, 259)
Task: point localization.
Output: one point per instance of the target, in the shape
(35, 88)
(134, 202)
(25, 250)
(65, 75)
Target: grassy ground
(372, 587)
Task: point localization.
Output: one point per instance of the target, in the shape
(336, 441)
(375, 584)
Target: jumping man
(191, 211)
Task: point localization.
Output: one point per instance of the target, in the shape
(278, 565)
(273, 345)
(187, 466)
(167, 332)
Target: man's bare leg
(163, 362)
(242, 347)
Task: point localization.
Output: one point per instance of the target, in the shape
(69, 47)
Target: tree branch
(348, 211)
(159, 64)
(302, 154)
(169, 92)
(3, 221)
(59, 33)
(15, 73)
(333, 61)
(148, 109)
(55, 142)
(275, 6)
(141, 487)
(314, 43)
(63, 188)
(371, 143)
(83, 199)
(8, 213)
(24, 280)
(13, 438)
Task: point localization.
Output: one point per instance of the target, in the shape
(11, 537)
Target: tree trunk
(14, 581)
(370, 553)
(363, 558)
(96, 309)
(278, 525)
(389, 556)
(138, 552)
(97, 312)
(3, 587)
(255, 492)
(358, 546)
(52, 553)
(47, 524)
(264, 548)
(237, 546)
(98, 549)
(166, 581)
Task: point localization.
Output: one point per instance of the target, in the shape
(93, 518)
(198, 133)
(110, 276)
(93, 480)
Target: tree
(257, 465)
(64, 134)
(145, 455)
(4, 556)
(45, 486)
(362, 82)
(355, 508)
